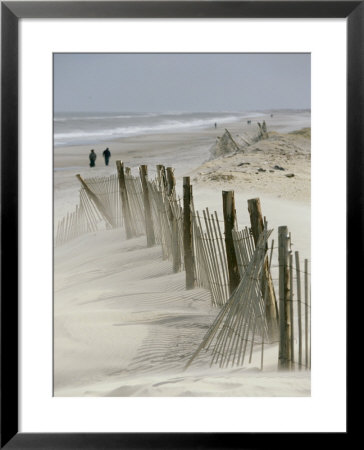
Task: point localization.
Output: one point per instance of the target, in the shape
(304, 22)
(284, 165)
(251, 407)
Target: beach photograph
(182, 225)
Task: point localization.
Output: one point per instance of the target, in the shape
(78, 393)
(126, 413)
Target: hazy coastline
(191, 146)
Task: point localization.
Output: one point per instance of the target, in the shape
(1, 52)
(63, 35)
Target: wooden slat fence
(243, 321)
(210, 256)
(297, 302)
(135, 195)
(244, 248)
(107, 191)
(167, 220)
(88, 216)
(176, 217)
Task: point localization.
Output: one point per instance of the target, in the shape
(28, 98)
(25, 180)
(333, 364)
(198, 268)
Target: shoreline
(80, 130)
(281, 122)
(185, 151)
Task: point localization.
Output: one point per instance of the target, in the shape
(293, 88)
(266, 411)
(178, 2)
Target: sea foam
(90, 129)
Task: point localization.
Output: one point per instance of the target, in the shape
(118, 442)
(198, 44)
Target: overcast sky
(181, 82)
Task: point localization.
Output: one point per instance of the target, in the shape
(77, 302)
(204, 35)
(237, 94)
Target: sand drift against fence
(209, 258)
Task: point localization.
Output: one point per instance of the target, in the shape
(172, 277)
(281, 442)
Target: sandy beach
(124, 325)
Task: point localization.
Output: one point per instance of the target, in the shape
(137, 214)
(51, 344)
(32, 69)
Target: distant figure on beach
(248, 122)
(92, 157)
(271, 115)
(106, 154)
(215, 125)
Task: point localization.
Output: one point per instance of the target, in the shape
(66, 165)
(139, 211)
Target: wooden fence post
(171, 181)
(271, 308)
(256, 218)
(298, 276)
(161, 174)
(228, 204)
(124, 200)
(97, 202)
(291, 313)
(284, 358)
(187, 234)
(143, 170)
(306, 314)
(176, 253)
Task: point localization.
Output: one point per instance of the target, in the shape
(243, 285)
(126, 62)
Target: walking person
(106, 154)
(92, 157)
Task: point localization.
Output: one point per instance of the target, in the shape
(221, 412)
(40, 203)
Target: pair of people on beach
(92, 157)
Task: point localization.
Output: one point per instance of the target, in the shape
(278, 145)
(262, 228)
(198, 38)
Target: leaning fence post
(96, 201)
(228, 204)
(176, 254)
(284, 297)
(187, 234)
(124, 200)
(257, 226)
(143, 170)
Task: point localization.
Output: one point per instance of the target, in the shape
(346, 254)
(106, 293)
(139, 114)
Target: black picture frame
(11, 12)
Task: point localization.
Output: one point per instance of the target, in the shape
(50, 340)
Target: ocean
(85, 128)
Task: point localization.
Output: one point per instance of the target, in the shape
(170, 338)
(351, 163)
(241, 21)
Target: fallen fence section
(243, 324)
(99, 208)
(242, 319)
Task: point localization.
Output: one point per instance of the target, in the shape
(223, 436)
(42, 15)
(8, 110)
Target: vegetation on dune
(305, 132)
